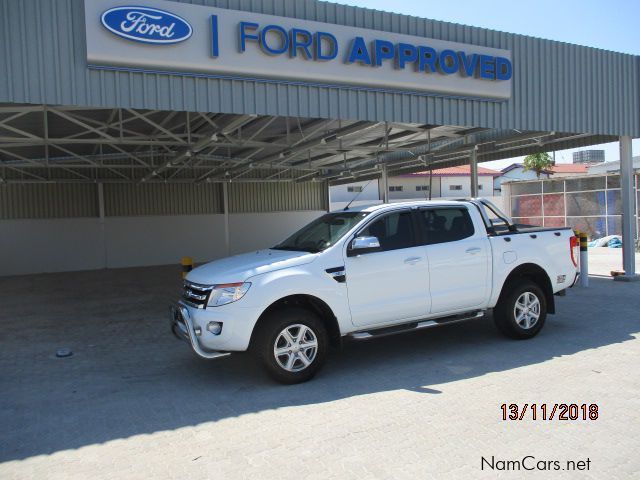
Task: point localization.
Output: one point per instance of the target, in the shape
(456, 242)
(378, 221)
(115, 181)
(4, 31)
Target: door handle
(473, 250)
(412, 260)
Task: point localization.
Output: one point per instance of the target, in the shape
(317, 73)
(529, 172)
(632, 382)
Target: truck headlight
(227, 293)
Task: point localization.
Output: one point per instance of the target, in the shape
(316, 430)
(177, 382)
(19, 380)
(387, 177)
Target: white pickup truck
(369, 272)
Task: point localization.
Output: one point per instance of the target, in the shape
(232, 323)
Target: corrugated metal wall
(48, 201)
(127, 200)
(557, 86)
(276, 197)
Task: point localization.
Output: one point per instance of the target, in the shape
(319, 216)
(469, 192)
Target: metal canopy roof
(136, 126)
(556, 86)
(43, 143)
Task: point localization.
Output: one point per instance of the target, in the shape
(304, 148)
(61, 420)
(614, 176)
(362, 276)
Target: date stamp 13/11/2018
(550, 411)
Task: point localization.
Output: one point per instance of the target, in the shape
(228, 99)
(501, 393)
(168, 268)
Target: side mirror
(361, 245)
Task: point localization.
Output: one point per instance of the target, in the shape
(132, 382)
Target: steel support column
(384, 184)
(628, 211)
(101, 220)
(327, 195)
(473, 162)
(225, 209)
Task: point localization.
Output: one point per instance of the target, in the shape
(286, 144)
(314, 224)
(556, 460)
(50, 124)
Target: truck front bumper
(183, 328)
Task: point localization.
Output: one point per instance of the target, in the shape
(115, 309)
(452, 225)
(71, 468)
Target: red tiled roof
(463, 170)
(569, 168)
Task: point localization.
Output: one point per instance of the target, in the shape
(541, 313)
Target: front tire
(292, 345)
(521, 313)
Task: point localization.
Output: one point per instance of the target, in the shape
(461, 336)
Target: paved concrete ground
(134, 403)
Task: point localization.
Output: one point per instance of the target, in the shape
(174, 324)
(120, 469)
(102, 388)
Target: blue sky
(611, 25)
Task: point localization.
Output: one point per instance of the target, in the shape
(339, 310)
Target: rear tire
(521, 312)
(292, 344)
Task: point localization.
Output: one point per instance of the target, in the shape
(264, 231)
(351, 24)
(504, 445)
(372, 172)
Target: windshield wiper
(295, 249)
(285, 247)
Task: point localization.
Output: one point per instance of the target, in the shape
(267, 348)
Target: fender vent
(337, 273)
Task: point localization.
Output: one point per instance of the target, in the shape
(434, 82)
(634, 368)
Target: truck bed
(524, 228)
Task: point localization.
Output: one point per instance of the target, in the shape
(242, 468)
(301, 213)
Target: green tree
(538, 162)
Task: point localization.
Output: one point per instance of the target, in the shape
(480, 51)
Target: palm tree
(538, 162)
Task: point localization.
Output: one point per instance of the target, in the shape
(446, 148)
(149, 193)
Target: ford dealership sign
(180, 38)
(147, 25)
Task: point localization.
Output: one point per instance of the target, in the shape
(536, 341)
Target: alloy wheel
(295, 347)
(527, 310)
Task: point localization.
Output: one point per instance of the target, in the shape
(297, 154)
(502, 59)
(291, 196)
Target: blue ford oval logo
(148, 25)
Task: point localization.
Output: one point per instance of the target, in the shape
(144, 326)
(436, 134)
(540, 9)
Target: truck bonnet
(239, 268)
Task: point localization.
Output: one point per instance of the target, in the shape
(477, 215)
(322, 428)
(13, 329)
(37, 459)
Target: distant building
(613, 167)
(366, 190)
(516, 172)
(568, 170)
(445, 182)
(363, 192)
(588, 156)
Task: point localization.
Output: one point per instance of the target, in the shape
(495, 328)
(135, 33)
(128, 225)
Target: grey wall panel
(254, 231)
(125, 199)
(50, 245)
(557, 86)
(276, 197)
(59, 245)
(160, 240)
(48, 201)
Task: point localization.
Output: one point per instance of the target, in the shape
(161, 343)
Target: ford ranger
(363, 273)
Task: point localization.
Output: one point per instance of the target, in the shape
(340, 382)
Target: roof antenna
(357, 195)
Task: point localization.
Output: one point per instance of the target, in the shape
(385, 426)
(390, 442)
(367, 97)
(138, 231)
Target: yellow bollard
(187, 265)
(584, 241)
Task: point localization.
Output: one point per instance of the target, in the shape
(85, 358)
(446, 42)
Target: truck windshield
(322, 232)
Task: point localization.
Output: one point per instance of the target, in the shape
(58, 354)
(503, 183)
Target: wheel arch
(305, 301)
(536, 274)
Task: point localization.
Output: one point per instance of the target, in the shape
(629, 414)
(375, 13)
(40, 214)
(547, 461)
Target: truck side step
(407, 327)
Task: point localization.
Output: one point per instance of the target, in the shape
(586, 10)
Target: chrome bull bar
(182, 328)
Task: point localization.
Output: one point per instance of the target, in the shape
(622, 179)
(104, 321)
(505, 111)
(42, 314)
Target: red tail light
(574, 248)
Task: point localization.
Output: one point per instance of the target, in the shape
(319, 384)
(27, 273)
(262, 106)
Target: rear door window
(440, 225)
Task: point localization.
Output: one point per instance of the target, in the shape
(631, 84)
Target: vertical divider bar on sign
(215, 46)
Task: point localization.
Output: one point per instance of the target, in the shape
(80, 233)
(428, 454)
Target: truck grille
(196, 295)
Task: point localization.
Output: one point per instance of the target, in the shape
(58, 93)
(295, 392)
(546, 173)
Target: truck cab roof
(416, 203)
